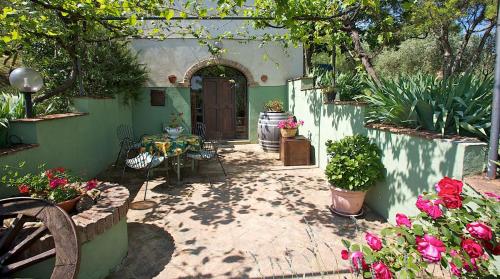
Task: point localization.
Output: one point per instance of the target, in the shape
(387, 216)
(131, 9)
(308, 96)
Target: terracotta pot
(172, 78)
(345, 201)
(69, 205)
(288, 133)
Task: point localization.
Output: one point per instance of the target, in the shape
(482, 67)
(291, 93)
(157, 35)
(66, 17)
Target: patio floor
(262, 220)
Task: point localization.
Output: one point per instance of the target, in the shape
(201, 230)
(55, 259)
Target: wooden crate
(295, 151)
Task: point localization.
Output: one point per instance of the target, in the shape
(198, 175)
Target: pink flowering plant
(454, 235)
(290, 123)
(55, 185)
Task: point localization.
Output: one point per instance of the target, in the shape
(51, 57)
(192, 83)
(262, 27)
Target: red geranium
(23, 189)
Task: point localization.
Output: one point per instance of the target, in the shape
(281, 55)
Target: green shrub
(455, 106)
(355, 164)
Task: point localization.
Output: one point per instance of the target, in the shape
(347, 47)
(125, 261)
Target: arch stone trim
(186, 82)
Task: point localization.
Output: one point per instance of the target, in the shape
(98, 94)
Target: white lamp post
(28, 81)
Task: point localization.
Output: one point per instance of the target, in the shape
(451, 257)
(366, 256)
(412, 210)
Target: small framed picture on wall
(157, 98)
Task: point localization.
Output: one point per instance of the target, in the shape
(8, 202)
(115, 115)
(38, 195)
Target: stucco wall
(413, 164)
(84, 144)
(148, 119)
(176, 56)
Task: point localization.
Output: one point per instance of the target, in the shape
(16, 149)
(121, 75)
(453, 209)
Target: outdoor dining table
(170, 147)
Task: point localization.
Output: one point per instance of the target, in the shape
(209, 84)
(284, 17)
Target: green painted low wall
(85, 144)
(99, 256)
(413, 164)
(148, 119)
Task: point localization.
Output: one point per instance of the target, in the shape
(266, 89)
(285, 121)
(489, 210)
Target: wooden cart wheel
(16, 237)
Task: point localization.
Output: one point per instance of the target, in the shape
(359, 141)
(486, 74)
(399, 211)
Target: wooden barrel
(269, 133)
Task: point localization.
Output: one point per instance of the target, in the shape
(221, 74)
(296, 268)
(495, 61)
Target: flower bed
(455, 232)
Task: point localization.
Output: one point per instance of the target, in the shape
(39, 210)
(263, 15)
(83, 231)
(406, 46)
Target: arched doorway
(219, 100)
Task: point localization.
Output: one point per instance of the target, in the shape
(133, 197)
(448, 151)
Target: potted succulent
(174, 128)
(56, 185)
(354, 166)
(289, 126)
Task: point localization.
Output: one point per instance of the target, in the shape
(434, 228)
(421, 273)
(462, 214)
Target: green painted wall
(413, 164)
(98, 257)
(84, 144)
(148, 119)
(257, 97)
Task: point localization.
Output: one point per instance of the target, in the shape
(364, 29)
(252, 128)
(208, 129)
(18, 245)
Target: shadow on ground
(262, 220)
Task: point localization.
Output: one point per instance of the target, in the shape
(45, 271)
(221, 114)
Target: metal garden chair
(200, 130)
(208, 151)
(142, 161)
(125, 133)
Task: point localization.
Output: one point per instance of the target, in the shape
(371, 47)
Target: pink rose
(449, 186)
(373, 241)
(431, 208)
(470, 266)
(403, 220)
(472, 248)
(479, 231)
(493, 195)
(358, 260)
(430, 248)
(455, 270)
(344, 254)
(381, 271)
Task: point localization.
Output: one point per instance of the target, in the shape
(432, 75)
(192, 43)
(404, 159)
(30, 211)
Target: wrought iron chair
(208, 151)
(125, 133)
(142, 161)
(200, 130)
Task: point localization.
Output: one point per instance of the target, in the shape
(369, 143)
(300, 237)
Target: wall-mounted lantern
(28, 81)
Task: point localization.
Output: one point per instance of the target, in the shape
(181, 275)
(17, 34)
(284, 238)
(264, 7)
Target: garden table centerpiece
(174, 128)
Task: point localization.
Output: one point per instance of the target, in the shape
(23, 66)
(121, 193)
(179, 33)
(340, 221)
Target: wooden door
(219, 108)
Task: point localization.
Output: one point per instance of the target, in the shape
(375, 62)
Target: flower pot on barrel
(289, 127)
(355, 165)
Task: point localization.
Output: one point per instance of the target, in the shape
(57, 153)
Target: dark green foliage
(455, 106)
(108, 69)
(350, 86)
(355, 163)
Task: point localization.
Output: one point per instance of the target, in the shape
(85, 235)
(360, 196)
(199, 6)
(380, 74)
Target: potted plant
(274, 106)
(354, 166)
(56, 185)
(174, 128)
(289, 126)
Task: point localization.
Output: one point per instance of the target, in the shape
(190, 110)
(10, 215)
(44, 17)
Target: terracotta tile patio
(263, 220)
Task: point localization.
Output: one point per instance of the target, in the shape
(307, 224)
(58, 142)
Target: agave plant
(458, 106)
(350, 86)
